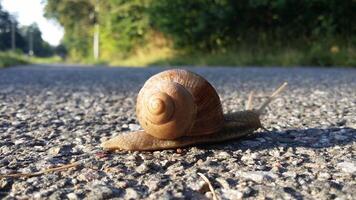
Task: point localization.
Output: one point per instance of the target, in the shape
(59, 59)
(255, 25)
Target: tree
(22, 35)
(6, 23)
(40, 47)
(77, 18)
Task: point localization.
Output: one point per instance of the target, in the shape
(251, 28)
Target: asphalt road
(56, 115)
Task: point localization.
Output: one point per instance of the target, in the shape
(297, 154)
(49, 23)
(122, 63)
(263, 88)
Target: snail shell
(177, 103)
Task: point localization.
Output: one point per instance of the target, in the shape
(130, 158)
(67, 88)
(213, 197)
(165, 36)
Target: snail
(178, 108)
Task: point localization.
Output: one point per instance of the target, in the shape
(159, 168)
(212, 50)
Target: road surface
(54, 115)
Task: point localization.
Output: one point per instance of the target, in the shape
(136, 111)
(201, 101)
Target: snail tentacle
(271, 97)
(249, 105)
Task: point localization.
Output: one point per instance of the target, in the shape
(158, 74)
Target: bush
(208, 25)
(11, 58)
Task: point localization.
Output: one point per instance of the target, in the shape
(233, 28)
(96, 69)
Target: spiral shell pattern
(176, 103)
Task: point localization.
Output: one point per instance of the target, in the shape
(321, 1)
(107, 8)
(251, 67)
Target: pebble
(231, 194)
(224, 155)
(290, 174)
(258, 176)
(324, 176)
(72, 196)
(134, 127)
(102, 192)
(130, 193)
(64, 150)
(348, 167)
(143, 168)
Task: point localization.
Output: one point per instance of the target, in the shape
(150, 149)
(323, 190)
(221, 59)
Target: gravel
(53, 115)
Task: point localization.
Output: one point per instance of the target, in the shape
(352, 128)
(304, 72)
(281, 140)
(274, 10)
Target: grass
(146, 57)
(45, 60)
(321, 53)
(10, 58)
(287, 57)
(160, 53)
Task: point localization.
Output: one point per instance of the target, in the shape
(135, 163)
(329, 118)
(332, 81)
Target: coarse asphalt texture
(56, 115)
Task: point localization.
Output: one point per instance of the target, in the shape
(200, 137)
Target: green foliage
(300, 31)
(11, 58)
(319, 54)
(77, 18)
(208, 25)
(198, 24)
(124, 24)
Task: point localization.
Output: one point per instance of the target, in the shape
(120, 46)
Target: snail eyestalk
(273, 96)
(249, 105)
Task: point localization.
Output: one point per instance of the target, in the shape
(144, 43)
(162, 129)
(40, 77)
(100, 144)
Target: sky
(31, 11)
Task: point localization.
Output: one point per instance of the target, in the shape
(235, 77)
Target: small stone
(247, 191)
(143, 168)
(224, 155)
(198, 185)
(246, 158)
(54, 150)
(17, 124)
(125, 126)
(301, 181)
(74, 181)
(19, 141)
(290, 174)
(88, 176)
(254, 156)
(179, 151)
(37, 195)
(152, 185)
(57, 195)
(223, 183)
(134, 127)
(258, 176)
(131, 194)
(164, 163)
(324, 176)
(231, 194)
(348, 167)
(72, 196)
(121, 184)
(61, 150)
(103, 192)
(4, 183)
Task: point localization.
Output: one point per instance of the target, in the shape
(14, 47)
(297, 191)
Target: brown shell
(196, 102)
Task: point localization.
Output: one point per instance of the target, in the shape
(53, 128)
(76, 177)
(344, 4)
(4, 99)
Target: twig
(273, 95)
(249, 102)
(209, 184)
(60, 168)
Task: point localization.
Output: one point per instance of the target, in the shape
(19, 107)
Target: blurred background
(179, 32)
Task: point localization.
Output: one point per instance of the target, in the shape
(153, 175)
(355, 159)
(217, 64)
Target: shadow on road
(314, 138)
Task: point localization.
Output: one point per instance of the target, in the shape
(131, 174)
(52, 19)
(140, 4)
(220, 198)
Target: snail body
(178, 108)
